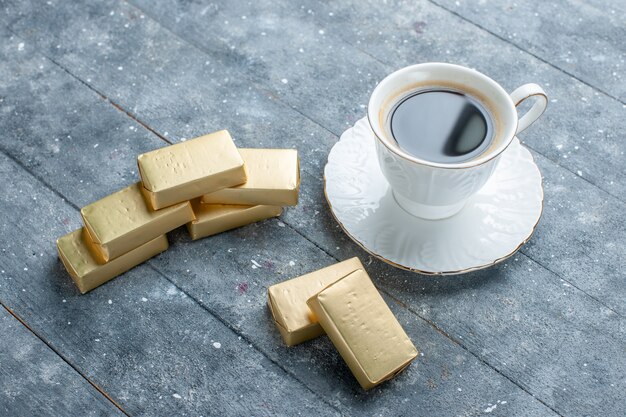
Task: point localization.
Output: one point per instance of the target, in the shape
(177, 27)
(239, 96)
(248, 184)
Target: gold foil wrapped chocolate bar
(190, 169)
(273, 178)
(122, 221)
(78, 258)
(211, 219)
(287, 301)
(363, 329)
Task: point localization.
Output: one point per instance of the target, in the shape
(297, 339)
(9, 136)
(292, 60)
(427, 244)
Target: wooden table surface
(85, 88)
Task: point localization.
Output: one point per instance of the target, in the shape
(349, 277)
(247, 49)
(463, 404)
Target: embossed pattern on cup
(437, 190)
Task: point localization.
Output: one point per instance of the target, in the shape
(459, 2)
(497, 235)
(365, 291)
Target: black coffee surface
(441, 126)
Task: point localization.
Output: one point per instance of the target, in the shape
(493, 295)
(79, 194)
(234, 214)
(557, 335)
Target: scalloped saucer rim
(516, 153)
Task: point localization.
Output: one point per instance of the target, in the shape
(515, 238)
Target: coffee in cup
(441, 125)
(440, 130)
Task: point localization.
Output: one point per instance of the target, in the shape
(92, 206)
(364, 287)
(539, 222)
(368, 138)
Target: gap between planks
(246, 338)
(265, 90)
(261, 88)
(163, 275)
(526, 51)
(555, 162)
(63, 358)
(242, 336)
(435, 327)
(135, 118)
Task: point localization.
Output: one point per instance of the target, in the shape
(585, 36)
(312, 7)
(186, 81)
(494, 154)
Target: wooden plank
(145, 350)
(543, 389)
(540, 332)
(56, 144)
(331, 69)
(132, 346)
(519, 275)
(533, 326)
(34, 380)
(580, 129)
(592, 146)
(206, 91)
(431, 385)
(147, 344)
(593, 278)
(583, 38)
(303, 90)
(581, 236)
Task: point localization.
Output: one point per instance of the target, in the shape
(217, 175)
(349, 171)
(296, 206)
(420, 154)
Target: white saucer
(492, 226)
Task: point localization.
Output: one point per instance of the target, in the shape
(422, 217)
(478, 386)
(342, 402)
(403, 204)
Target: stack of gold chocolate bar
(342, 301)
(206, 183)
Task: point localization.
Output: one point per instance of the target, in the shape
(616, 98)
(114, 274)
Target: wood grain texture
(591, 146)
(142, 340)
(517, 329)
(35, 381)
(580, 130)
(596, 152)
(149, 346)
(215, 276)
(582, 38)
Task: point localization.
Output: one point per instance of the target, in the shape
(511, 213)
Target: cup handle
(541, 102)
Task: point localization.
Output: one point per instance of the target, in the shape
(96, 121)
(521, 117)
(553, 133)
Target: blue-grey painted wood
(592, 149)
(348, 46)
(217, 275)
(234, 77)
(583, 38)
(34, 381)
(149, 346)
(605, 154)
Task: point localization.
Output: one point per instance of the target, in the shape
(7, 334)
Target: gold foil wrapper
(363, 329)
(288, 301)
(212, 219)
(94, 249)
(273, 179)
(187, 170)
(122, 221)
(88, 273)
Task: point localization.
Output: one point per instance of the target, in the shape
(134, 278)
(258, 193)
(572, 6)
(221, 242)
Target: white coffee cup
(434, 190)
